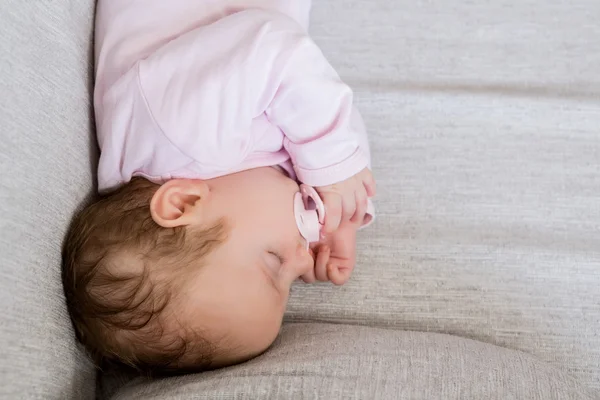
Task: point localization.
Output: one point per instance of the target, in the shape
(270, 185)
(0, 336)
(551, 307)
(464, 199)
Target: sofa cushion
(321, 361)
(46, 153)
(485, 128)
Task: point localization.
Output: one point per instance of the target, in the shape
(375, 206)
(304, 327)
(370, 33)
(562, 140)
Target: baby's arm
(313, 108)
(204, 89)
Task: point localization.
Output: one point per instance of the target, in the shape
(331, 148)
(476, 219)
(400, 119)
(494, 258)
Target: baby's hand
(347, 200)
(334, 256)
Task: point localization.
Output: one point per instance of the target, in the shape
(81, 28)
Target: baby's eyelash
(281, 259)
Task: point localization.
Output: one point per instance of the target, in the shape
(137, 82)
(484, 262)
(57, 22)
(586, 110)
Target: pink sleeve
(313, 108)
(206, 87)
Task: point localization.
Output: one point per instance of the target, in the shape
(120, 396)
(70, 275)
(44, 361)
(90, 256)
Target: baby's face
(241, 293)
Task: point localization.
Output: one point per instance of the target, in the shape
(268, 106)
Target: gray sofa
(481, 276)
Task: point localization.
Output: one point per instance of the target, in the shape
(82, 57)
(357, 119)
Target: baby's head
(188, 275)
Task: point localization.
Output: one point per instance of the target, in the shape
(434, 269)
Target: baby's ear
(179, 202)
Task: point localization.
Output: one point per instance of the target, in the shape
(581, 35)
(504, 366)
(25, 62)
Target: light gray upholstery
(320, 361)
(45, 164)
(485, 127)
(485, 131)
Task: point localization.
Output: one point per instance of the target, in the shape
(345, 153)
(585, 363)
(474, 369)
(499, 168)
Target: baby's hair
(121, 274)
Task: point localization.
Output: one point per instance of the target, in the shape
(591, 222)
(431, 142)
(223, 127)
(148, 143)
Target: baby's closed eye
(275, 258)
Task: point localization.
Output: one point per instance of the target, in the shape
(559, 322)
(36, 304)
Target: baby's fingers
(321, 263)
(333, 211)
(369, 183)
(338, 273)
(362, 202)
(348, 206)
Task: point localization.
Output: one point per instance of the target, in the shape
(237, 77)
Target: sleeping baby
(232, 164)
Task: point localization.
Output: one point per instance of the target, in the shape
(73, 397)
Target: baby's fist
(347, 200)
(334, 256)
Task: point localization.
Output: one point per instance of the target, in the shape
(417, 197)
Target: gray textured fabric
(485, 127)
(45, 159)
(485, 122)
(317, 361)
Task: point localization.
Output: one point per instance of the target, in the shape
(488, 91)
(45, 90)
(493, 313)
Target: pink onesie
(205, 88)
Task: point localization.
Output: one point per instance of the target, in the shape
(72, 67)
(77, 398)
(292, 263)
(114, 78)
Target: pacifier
(310, 214)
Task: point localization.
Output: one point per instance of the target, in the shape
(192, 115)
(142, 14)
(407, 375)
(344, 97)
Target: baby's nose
(303, 260)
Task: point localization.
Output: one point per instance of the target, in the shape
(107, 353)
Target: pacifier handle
(312, 201)
(309, 211)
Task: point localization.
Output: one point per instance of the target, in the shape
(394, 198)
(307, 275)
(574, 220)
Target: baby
(215, 119)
